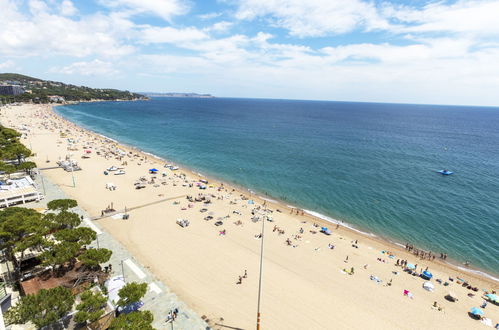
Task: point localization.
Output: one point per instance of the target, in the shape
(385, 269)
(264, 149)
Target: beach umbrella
(476, 311)
(411, 266)
(426, 274)
(492, 297)
(153, 170)
(428, 286)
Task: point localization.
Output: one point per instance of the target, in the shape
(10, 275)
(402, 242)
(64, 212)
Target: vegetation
(44, 308)
(62, 204)
(80, 235)
(13, 152)
(91, 307)
(22, 229)
(40, 90)
(131, 293)
(94, 257)
(134, 320)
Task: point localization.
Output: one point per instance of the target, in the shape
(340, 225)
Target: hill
(40, 91)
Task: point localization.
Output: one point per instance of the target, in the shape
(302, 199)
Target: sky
(407, 51)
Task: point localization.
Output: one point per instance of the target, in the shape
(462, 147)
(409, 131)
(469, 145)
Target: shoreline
(207, 263)
(281, 204)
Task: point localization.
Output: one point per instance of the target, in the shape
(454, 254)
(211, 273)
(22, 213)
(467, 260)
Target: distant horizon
(321, 100)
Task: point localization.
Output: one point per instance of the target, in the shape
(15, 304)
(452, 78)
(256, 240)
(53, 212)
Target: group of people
(245, 275)
(421, 253)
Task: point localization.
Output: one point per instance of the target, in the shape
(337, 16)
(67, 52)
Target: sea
(372, 166)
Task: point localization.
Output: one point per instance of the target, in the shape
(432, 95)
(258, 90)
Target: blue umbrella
(411, 266)
(131, 307)
(492, 297)
(476, 311)
(427, 274)
(153, 170)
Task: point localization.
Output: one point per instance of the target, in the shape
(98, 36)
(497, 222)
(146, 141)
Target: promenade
(159, 298)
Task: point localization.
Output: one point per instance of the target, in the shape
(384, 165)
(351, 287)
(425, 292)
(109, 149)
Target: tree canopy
(91, 307)
(80, 235)
(12, 149)
(94, 257)
(44, 308)
(131, 293)
(134, 320)
(62, 204)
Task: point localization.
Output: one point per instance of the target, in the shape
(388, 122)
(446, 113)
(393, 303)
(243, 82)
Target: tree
(90, 308)
(63, 219)
(80, 235)
(43, 308)
(94, 257)
(61, 204)
(20, 228)
(134, 320)
(131, 293)
(27, 166)
(61, 253)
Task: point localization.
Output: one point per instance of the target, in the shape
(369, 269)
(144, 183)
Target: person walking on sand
(245, 274)
(346, 259)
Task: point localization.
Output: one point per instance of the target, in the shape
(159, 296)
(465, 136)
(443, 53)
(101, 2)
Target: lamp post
(73, 176)
(123, 271)
(260, 277)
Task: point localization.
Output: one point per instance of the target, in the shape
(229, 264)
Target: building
(11, 90)
(18, 191)
(56, 99)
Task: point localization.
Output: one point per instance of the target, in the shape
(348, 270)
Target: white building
(18, 191)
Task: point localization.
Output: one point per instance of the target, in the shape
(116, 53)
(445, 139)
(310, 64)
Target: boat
(120, 172)
(112, 168)
(445, 172)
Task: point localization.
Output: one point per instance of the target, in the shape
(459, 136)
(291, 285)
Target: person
(245, 274)
(175, 313)
(484, 304)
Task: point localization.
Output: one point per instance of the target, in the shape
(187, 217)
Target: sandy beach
(304, 282)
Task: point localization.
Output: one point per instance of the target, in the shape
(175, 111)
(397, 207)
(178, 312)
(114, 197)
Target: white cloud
(209, 16)
(165, 9)
(9, 64)
(92, 68)
(222, 26)
(43, 33)
(314, 18)
(68, 8)
(476, 17)
(150, 35)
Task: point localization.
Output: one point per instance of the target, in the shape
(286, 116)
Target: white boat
(174, 168)
(112, 168)
(120, 172)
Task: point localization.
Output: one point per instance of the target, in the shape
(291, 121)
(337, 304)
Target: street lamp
(260, 277)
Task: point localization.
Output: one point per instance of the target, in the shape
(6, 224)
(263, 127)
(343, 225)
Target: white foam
(269, 200)
(335, 221)
(478, 273)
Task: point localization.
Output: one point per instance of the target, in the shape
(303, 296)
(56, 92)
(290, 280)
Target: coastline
(282, 204)
(345, 233)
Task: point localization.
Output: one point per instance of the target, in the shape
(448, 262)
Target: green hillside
(38, 90)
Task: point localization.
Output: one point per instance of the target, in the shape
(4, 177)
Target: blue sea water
(371, 165)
